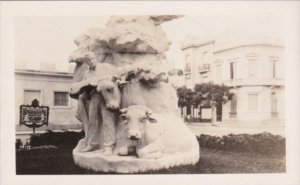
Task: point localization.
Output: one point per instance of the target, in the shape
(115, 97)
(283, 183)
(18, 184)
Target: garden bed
(242, 153)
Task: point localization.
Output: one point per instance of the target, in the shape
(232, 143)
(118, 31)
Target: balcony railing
(204, 68)
(254, 82)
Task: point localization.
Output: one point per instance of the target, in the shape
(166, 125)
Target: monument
(127, 108)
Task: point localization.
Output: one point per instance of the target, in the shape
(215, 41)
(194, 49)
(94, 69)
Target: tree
(216, 95)
(204, 94)
(180, 72)
(185, 98)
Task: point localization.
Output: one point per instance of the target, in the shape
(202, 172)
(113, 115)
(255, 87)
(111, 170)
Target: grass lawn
(60, 161)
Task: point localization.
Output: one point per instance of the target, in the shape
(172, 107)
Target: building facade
(252, 66)
(50, 89)
(176, 78)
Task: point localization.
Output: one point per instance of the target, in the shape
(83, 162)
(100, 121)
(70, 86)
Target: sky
(49, 39)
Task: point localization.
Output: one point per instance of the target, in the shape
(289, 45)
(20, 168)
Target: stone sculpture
(153, 134)
(120, 77)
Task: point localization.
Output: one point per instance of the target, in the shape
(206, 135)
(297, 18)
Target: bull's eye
(123, 118)
(144, 119)
(109, 89)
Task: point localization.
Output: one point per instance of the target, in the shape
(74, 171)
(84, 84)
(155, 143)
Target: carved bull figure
(151, 135)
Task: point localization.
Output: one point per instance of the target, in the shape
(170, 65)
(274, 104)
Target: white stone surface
(133, 34)
(134, 44)
(97, 161)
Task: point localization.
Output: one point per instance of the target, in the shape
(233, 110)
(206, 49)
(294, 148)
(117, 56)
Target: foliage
(263, 144)
(204, 94)
(211, 94)
(19, 143)
(185, 97)
(66, 139)
(180, 72)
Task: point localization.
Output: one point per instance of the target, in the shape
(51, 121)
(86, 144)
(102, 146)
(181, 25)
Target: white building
(252, 66)
(50, 88)
(176, 78)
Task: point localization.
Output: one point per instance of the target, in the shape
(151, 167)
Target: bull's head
(136, 116)
(110, 92)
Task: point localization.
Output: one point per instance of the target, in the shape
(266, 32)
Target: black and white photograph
(150, 92)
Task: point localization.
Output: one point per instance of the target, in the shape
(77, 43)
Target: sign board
(34, 115)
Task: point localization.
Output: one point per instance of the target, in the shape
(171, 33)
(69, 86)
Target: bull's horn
(123, 111)
(115, 78)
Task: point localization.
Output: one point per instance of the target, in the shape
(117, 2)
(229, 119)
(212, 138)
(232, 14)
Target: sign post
(34, 115)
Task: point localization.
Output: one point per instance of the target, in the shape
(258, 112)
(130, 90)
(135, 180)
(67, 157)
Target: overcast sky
(49, 39)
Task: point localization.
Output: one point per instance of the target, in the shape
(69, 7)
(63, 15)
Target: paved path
(225, 129)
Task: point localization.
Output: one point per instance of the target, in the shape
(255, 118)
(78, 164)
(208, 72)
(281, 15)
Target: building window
(204, 58)
(30, 95)
(274, 68)
(274, 110)
(252, 68)
(232, 70)
(219, 73)
(61, 98)
(252, 102)
(187, 67)
(188, 76)
(233, 106)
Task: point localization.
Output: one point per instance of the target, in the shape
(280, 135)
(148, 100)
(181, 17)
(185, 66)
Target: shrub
(68, 139)
(263, 143)
(19, 143)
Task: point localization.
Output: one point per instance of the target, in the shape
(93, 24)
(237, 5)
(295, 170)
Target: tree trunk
(199, 113)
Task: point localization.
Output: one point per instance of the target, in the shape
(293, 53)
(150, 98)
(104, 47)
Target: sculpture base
(97, 161)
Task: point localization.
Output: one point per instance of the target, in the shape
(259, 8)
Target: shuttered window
(219, 73)
(232, 70)
(233, 104)
(274, 68)
(252, 68)
(61, 99)
(252, 102)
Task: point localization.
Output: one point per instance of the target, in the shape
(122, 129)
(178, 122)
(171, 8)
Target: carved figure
(149, 131)
(152, 135)
(98, 99)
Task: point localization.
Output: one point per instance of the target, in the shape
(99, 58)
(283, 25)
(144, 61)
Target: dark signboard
(34, 115)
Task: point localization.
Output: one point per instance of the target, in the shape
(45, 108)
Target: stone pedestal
(97, 161)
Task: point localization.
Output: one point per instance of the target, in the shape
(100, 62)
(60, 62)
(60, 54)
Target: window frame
(219, 76)
(61, 106)
(274, 67)
(253, 60)
(257, 102)
(274, 102)
(232, 70)
(33, 89)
